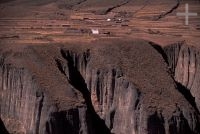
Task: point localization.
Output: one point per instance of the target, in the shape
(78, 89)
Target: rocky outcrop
(109, 87)
(115, 97)
(21, 101)
(112, 96)
(184, 63)
(26, 108)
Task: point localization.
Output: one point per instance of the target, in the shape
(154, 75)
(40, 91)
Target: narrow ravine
(77, 81)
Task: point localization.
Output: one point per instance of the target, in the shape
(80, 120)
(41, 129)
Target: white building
(95, 31)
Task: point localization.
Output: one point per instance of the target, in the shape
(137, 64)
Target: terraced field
(50, 24)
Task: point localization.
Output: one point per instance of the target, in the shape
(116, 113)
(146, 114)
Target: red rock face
(184, 61)
(138, 75)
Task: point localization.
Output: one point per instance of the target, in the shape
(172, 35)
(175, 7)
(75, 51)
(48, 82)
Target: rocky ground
(139, 74)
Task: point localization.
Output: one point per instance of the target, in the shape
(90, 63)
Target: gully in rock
(78, 82)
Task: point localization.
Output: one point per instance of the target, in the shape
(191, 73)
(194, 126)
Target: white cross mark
(187, 14)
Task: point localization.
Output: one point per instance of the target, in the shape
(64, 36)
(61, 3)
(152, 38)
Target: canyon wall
(112, 87)
(184, 61)
(26, 108)
(115, 96)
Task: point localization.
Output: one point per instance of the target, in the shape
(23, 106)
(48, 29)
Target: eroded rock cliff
(109, 87)
(26, 104)
(92, 86)
(184, 63)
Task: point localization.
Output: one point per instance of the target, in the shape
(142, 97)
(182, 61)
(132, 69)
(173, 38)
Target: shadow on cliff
(187, 94)
(59, 125)
(5, 1)
(3, 128)
(182, 89)
(178, 124)
(97, 125)
(184, 127)
(156, 124)
(160, 50)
